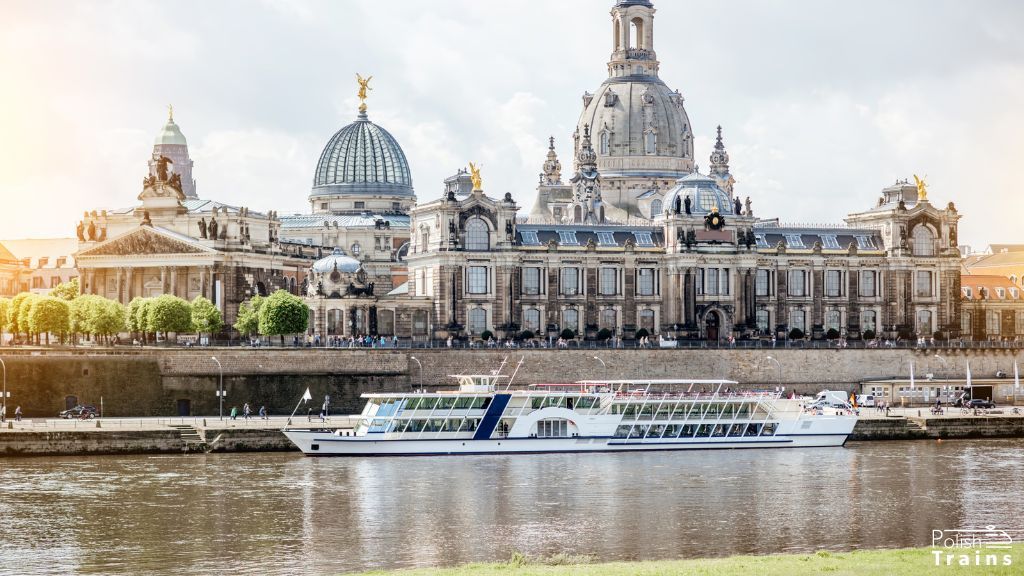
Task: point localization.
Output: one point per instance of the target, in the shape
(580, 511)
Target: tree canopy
(248, 322)
(167, 313)
(282, 313)
(66, 290)
(206, 317)
(49, 315)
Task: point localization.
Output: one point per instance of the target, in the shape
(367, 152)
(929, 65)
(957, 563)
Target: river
(282, 513)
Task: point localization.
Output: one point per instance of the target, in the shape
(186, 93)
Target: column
(174, 281)
(163, 279)
(129, 289)
(120, 288)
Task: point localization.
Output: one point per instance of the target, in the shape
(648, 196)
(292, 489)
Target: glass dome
(338, 260)
(362, 158)
(704, 194)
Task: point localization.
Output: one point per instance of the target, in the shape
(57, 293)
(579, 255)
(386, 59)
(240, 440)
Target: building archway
(712, 326)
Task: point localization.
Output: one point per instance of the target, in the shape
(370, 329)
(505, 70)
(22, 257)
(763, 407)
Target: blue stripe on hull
(491, 417)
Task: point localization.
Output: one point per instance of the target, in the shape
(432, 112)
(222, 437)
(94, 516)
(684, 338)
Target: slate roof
(366, 220)
(538, 235)
(804, 237)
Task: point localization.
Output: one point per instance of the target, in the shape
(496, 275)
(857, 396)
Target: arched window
(924, 241)
(605, 141)
(355, 249)
(477, 320)
(571, 320)
(924, 323)
(636, 33)
(531, 320)
(650, 142)
(618, 36)
(656, 206)
(477, 235)
(868, 321)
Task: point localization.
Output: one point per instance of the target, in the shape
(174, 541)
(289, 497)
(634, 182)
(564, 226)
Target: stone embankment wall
(160, 382)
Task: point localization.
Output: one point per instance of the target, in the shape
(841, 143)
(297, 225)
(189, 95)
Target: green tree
(167, 313)
(24, 310)
(137, 313)
(80, 313)
(107, 318)
(206, 317)
(13, 310)
(282, 313)
(5, 305)
(248, 322)
(49, 315)
(66, 290)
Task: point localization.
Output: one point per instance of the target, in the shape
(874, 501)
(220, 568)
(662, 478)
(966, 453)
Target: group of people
(247, 412)
(3, 413)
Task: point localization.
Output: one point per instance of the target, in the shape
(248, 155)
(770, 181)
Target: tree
(24, 310)
(796, 334)
(97, 316)
(832, 334)
(248, 322)
(49, 315)
(206, 317)
(137, 313)
(568, 334)
(167, 313)
(604, 334)
(526, 335)
(486, 335)
(5, 305)
(80, 312)
(642, 333)
(282, 313)
(869, 334)
(13, 310)
(67, 290)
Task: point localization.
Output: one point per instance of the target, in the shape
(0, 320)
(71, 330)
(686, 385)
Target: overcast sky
(823, 103)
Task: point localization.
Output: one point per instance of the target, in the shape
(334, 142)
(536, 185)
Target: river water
(282, 513)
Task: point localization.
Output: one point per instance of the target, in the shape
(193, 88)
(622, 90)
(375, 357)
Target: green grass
(906, 562)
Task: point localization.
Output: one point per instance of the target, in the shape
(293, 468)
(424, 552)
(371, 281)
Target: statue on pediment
(175, 181)
(80, 230)
(92, 231)
(202, 228)
(103, 234)
(213, 229)
(145, 218)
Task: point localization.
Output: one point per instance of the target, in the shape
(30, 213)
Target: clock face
(715, 220)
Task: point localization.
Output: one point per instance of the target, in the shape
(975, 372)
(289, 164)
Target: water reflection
(285, 514)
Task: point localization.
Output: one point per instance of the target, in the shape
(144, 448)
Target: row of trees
(67, 314)
(275, 315)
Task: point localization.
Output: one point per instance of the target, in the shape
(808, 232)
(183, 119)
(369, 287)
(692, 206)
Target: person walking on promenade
(17, 414)
(234, 412)
(246, 411)
(263, 412)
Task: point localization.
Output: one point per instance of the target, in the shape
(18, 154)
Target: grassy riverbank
(909, 562)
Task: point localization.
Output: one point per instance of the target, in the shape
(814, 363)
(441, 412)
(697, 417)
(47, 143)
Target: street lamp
(604, 365)
(413, 358)
(5, 389)
(777, 363)
(220, 391)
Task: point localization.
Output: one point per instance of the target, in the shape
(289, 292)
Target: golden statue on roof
(922, 189)
(364, 85)
(170, 112)
(474, 175)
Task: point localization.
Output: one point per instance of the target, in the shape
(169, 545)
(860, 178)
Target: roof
(1000, 259)
(196, 206)
(362, 158)
(538, 235)
(400, 290)
(836, 238)
(5, 254)
(170, 134)
(35, 249)
(366, 219)
(988, 287)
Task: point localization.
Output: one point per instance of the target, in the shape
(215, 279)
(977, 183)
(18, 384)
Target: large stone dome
(362, 159)
(170, 135)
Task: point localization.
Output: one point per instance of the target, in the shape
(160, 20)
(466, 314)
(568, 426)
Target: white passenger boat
(483, 417)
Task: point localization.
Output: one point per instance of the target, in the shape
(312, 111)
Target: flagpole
(304, 398)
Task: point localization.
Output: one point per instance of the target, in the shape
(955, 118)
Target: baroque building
(638, 239)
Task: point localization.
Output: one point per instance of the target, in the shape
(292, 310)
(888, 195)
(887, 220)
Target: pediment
(146, 240)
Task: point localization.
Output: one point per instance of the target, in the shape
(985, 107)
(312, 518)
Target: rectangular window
(865, 243)
(360, 205)
(924, 284)
(54, 281)
(761, 283)
(833, 320)
(531, 281)
(829, 242)
(794, 241)
(833, 283)
(37, 282)
(868, 321)
(568, 238)
(867, 284)
(608, 281)
(643, 239)
(993, 323)
(762, 320)
(762, 241)
(1019, 323)
(570, 281)
(645, 282)
(606, 239)
(965, 324)
(711, 288)
(799, 320)
(477, 280)
(700, 281)
(396, 206)
(529, 237)
(323, 205)
(797, 283)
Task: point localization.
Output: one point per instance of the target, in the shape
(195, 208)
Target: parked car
(80, 412)
(981, 403)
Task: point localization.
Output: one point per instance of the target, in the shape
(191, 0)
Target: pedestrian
(449, 341)
(234, 412)
(17, 414)
(263, 412)
(246, 411)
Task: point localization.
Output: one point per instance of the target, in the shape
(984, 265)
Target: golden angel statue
(474, 175)
(364, 85)
(922, 189)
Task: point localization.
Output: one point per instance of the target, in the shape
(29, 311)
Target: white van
(867, 400)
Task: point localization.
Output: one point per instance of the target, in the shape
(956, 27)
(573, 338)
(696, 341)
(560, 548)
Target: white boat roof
(669, 382)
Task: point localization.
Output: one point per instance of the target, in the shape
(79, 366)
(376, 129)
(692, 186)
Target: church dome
(363, 159)
(339, 261)
(704, 194)
(170, 134)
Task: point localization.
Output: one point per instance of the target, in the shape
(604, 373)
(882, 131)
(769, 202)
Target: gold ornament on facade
(364, 85)
(922, 189)
(474, 175)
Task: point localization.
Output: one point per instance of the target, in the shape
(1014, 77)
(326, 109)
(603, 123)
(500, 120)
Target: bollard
(97, 423)
(918, 413)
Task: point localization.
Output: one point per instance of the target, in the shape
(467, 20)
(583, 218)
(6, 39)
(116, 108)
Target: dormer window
(762, 242)
(606, 239)
(1000, 293)
(830, 242)
(865, 243)
(568, 238)
(794, 241)
(968, 292)
(643, 239)
(1013, 293)
(530, 237)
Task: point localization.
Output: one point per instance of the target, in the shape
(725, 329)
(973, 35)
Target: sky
(822, 103)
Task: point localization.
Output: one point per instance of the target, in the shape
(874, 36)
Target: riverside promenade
(210, 434)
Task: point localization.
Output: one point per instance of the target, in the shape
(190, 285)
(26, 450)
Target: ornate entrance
(712, 323)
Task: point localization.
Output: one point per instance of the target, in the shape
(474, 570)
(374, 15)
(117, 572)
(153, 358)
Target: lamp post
(220, 390)
(779, 364)
(5, 389)
(603, 365)
(413, 358)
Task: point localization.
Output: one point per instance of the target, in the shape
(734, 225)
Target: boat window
(743, 410)
(639, 431)
(481, 402)
(427, 403)
(630, 411)
(413, 404)
(727, 410)
(663, 412)
(553, 401)
(445, 403)
(622, 431)
(454, 424)
(672, 431)
(656, 431)
(463, 402)
(737, 429)
(769, 429)
(704, 430)
(552, 428)
(720, 429)
(646, 412)
(379, 425)
(688, 430)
